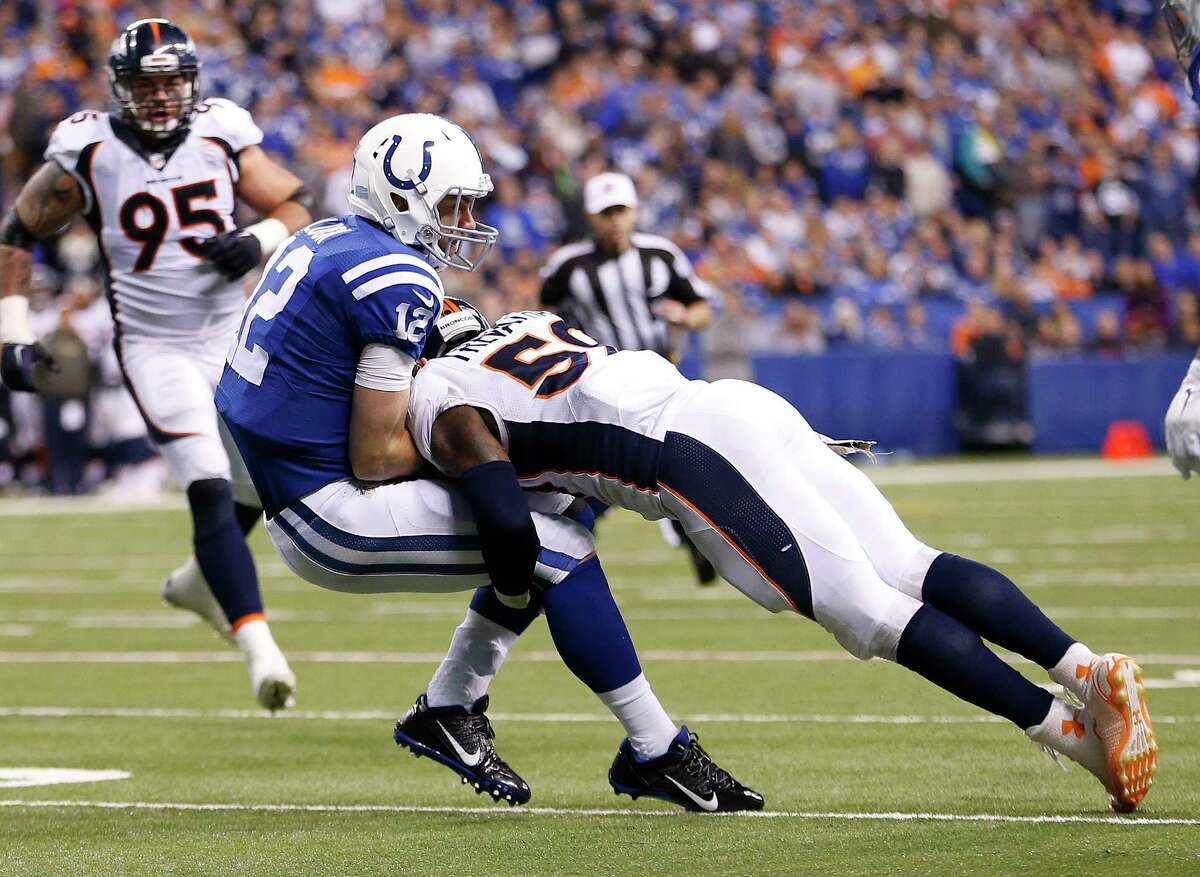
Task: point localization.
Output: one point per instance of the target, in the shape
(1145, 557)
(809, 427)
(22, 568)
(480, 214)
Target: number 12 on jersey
(280, 278)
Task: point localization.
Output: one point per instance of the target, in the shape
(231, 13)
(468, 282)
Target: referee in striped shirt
(627, 289)
(622, 287)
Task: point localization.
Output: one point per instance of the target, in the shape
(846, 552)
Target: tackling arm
(381, 448)
(465, 446)
(279, 196)
(47, 201)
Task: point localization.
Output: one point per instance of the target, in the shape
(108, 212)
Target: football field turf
(866, 769)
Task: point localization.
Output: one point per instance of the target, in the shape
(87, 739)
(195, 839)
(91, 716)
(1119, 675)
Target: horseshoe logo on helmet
(426, 164)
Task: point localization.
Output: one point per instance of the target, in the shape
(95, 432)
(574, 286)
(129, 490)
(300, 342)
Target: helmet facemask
(157, 104)
(1182, 23)
(449, 242)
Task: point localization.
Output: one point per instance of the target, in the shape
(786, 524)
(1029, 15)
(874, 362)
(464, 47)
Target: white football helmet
(404, 167)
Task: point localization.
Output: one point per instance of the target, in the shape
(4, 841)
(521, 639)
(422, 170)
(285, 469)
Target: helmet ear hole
(399, 203)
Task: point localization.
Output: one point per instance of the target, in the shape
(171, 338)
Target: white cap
(608, 190)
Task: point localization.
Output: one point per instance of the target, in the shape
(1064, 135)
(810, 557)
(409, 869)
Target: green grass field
(96, 673)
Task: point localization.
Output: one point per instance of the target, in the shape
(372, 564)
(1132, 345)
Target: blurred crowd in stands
(997, 178)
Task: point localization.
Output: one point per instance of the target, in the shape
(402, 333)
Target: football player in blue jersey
(1182, 423)
(315, 393)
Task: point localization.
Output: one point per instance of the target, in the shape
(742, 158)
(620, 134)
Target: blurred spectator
(882, 330)
(1107, 340)
(991, 378)
(799, 331)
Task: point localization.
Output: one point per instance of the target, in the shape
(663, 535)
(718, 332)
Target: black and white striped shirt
(612, 297)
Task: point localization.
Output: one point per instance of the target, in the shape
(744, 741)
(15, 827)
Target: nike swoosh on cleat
(471, 759)
(709, 804)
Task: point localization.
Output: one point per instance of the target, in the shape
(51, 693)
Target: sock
(1064, 729)
(647, 725)
(221, 550)
(588, 629)
(254, 636)
(247, 516)
(477, 650)
(953, 657)
(1074, 669)
(987, 602)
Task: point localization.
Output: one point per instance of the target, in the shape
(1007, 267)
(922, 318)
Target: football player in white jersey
(781, 516)
(157, 179)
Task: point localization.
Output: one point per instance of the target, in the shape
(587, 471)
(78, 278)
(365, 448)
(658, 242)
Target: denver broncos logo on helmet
(426, 165)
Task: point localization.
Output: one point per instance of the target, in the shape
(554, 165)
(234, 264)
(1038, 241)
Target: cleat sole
(1134, 760)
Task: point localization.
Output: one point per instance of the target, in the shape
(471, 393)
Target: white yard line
(59, 712)
(135, 618)
(525, 812)
(533, 656)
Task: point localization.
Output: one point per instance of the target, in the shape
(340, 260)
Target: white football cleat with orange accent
(1116, 704)
(186, 588)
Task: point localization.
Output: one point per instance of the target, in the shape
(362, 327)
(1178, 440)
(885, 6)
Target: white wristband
(14, 320)
(270, 233)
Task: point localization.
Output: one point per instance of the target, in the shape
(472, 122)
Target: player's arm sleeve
(383, 367)
(226, 122)
(466, 447)
(71, 147)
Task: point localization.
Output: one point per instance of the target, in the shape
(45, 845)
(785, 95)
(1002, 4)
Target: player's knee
(868, 621)
(211, 502)
(905, 565)
(951, 579)
(930, 634)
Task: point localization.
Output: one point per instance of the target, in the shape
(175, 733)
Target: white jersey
(573, 415)
(149, 210)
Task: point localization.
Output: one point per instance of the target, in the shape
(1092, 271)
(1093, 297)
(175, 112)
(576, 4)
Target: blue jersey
(288, 384)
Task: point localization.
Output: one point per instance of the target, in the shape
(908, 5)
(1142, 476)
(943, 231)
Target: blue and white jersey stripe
(396, 269)
(423, 556)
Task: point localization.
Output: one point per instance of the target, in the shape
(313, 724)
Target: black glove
(17, 362)
(233, 252)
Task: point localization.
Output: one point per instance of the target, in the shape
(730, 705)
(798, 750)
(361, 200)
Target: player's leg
(774, 536)
(174, 395)
(418, 536)
(990, 604)
(980, 597)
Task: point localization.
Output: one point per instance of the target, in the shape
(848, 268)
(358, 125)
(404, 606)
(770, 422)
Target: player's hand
(17, 362)
(234, 253)
(1183, 424)
(513, 601)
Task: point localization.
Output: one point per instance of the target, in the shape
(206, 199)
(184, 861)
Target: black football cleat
(685, 775)
(461, 739)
